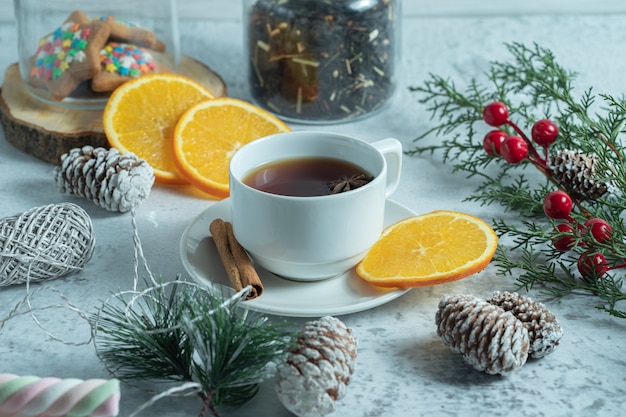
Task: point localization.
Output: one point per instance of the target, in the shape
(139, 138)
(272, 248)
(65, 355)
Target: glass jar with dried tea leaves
(322, 61)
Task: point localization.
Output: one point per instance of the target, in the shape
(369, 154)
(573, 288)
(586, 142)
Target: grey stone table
(403, 368)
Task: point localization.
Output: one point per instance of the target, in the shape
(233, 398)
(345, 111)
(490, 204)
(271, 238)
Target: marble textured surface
(403, 368)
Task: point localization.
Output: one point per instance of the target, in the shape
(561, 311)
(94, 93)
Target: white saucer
(344, 294)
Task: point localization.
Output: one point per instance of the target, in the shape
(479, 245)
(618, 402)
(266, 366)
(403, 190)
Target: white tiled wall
(231, 9)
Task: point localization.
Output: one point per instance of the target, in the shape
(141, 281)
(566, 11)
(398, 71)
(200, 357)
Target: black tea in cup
(307, 177)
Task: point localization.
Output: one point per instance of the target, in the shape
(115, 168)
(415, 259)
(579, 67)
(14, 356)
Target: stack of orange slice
(182, 130)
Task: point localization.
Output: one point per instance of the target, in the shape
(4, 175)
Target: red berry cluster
(557, 205)
(516, 148)
(591, 263)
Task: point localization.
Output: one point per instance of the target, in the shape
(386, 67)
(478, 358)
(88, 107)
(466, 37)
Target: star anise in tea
(345, 183)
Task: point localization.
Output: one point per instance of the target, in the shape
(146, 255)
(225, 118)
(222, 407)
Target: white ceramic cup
(312, 238)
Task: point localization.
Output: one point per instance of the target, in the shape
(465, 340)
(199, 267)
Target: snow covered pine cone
(114, 181)
(317, 371)
(544, 330)
(490, 339)
(577, 172)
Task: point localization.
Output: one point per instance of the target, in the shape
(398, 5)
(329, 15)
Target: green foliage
(188, 334)
(534, 86)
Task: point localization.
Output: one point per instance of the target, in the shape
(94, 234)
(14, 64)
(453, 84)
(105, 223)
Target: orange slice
(433, 248)
(141, 114)
(209, 133)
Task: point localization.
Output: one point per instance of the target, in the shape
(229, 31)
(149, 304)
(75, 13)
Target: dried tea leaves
(322, 60)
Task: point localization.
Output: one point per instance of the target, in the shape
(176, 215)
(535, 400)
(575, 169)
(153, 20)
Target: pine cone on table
(577, 172)
(543, 328)
(114, 181)
(490, 339)
(317, 371)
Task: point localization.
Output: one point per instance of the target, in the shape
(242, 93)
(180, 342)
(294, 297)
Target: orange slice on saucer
(429, 249)
(210, 132)
(141, 114)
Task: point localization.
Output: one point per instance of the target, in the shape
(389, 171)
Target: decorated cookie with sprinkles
(121, 62)
(69, 55)
(130, 32)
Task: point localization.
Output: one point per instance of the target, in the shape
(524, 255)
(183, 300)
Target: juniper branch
(533, 85)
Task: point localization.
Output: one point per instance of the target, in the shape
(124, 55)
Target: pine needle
(183, 333)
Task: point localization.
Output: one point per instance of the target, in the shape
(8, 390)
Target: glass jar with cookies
(75, 53)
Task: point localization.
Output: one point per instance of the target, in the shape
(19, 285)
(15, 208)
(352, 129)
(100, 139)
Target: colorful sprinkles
(118, 20)
(126, 59)
(59, 49)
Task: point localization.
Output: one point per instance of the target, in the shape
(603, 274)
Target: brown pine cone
(543, 328)
(114, 181)
(490, 339)
(577, 172)
(317, 371)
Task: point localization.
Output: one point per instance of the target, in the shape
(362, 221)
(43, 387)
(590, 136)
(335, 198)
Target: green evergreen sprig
(186, 334)
(534, 86)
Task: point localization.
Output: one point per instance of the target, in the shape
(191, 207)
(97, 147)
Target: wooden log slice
(46, 131)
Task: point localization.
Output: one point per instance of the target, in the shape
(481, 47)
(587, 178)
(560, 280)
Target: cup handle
(391, 149)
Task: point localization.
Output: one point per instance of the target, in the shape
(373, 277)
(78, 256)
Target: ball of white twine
(44, 243)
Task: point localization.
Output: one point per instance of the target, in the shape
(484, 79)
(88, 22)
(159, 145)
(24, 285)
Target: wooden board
(47, 131)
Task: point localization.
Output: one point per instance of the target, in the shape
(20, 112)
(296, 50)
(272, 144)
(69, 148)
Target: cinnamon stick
(238, 265)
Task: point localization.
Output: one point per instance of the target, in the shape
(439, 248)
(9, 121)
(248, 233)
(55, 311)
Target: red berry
(544, 132)
(592, 264)
(514, 149)
(496, 114)
(557, 205)
(493, 140)
(600, 229)
(566, 240)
